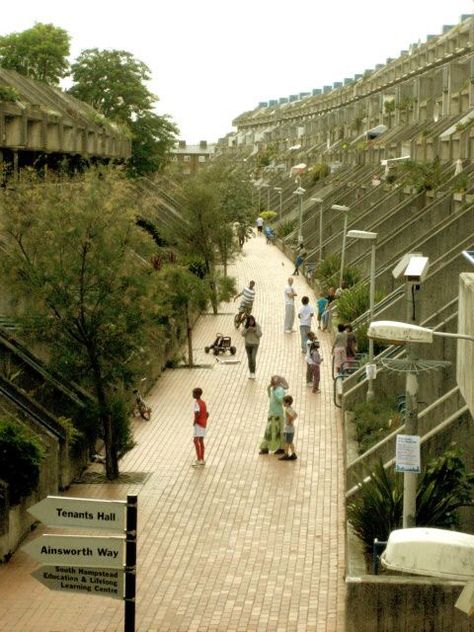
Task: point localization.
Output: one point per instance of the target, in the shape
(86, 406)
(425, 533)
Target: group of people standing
(280, 428)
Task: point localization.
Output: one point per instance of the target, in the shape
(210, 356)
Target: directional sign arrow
(103, 582)
(86, 550)
(81, 513)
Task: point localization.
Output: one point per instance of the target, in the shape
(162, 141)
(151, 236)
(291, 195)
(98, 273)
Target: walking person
(289, 430)
(259, 223)
(339, 348)
(321, 305)
(305, 315)
(200, 426)
(309, 362)
(273, 437)
(289, 306)
(252, 332)
(351, 348)
(316, 360)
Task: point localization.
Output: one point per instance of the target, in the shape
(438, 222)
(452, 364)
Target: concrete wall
(404, 604)
(465, 351)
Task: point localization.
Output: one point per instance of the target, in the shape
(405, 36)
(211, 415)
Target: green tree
(75, 261)
(114, 83)
(153, 137)
(231, 190)
(184, 295)
(40, 52)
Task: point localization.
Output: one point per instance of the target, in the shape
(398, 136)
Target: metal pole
(130, 563)
(370, 386)
(411, 420)
(268, 198)
(341, 274)
(281, 202)
(300, 231)
(321, 232)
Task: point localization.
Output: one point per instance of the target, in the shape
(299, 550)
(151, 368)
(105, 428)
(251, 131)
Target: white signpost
(90, 580)
(81, 513)
(94, 565)
(83, 550)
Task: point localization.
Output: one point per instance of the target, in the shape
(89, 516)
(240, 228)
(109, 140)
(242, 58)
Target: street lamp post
(300, 192)
(280, 193)
(345, 210)
(372, 237)
(408, 333)
(320, 202)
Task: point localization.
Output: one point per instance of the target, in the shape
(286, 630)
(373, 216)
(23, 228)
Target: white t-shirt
(305, 314)
(259, 221)
(289, 295)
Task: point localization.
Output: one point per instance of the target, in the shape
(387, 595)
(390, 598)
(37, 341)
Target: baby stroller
(220, 345)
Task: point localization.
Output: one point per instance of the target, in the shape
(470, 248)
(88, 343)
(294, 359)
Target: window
(202, 158)
(187, 158)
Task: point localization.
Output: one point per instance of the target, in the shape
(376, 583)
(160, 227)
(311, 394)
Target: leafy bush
(363, 342)
(443, 487)
(286, 228)
(355, 301)
(328, 271)
(8, 94)
(319, 171)
(424, 176)
(374, 420)
(20, 458)
(268, 215)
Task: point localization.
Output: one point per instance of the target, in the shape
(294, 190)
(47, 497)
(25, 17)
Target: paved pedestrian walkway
(248, 543)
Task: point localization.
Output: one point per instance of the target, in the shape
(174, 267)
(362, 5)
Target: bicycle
(242, 315)
(141, 408)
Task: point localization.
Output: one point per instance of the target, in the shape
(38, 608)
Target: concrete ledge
(404, 603)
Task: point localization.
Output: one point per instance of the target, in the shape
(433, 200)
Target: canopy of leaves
(153, 137)
(71, 259)
(40, 52)
(113, 82)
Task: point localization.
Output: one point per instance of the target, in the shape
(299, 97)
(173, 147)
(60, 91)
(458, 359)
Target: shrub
(328, 271)
(374, 420)
(354, 302)
(8, 94)
(444, 487)
(319, 171)
(286, 228)
(268, 215)
(20, 458)
(363, 341)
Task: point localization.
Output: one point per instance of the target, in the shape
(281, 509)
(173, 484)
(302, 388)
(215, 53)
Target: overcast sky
(211, 60)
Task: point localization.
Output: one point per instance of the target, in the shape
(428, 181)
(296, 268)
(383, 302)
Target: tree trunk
(111, 459)
(212, 285)
(189, 333)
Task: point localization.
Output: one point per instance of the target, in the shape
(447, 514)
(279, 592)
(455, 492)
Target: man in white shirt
(259, 223)
(289, 306)
(305, 315)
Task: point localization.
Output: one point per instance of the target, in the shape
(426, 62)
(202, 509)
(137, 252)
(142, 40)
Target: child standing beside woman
(289, 430)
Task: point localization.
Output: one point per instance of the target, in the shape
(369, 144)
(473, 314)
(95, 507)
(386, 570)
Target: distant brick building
(192, 157)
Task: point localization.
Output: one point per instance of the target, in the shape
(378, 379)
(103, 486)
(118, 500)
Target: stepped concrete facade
(37, 120)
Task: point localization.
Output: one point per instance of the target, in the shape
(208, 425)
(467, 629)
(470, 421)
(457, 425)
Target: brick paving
(247, 543)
